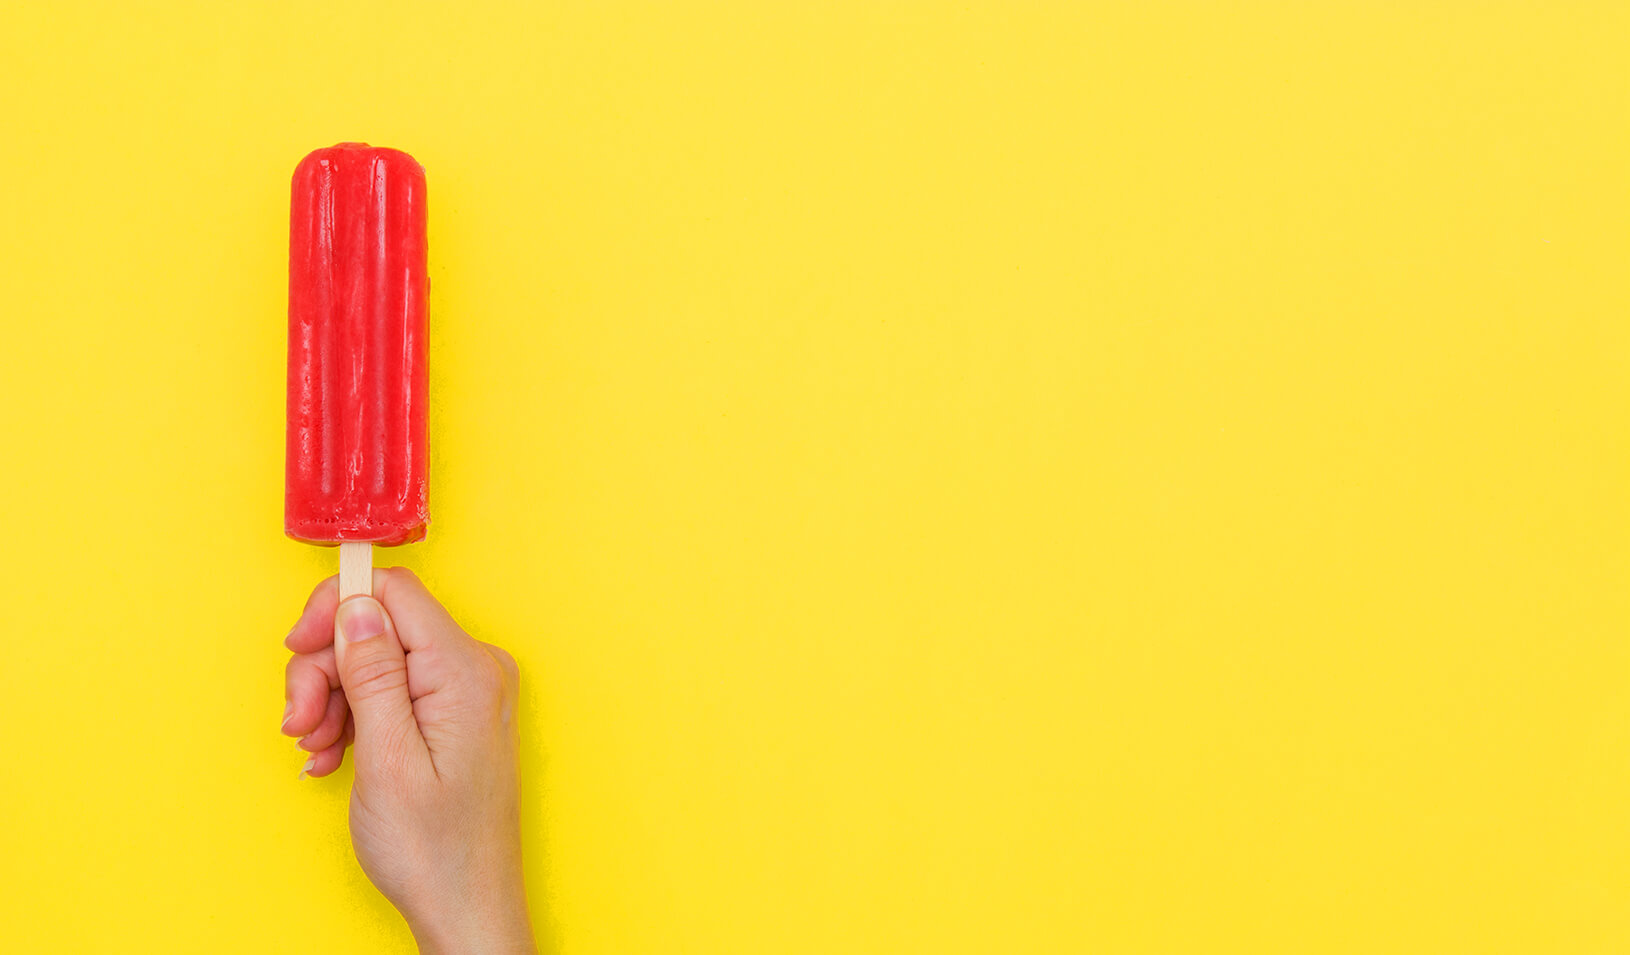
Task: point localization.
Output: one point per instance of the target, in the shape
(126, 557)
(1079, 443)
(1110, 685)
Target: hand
(435, 809)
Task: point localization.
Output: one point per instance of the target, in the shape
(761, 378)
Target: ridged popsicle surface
(356, 465)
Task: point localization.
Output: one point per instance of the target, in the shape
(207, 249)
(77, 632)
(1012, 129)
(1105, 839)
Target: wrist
(497, 934)
(495, 924)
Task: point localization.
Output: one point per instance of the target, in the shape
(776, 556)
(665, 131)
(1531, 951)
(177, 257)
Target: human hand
(435, 809)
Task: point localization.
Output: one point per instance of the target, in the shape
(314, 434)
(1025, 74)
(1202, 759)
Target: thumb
(373, 670)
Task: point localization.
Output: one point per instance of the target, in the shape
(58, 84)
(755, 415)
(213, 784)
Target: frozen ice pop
(356, 404)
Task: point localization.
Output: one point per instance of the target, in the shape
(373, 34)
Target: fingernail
(301, 742)
(361, 619)
(307, 768)
(288, 714)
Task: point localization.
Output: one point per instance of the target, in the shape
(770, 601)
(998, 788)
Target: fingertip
(329, 759)
(359, 617)
(300, 723)
(324, 763)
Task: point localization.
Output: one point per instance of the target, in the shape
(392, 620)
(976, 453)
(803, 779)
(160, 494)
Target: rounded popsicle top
(350, 155)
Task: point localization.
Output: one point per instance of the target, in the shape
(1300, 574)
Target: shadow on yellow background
(957, 478)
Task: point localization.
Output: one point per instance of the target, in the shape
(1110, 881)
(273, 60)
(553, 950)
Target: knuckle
(297, 674)
(401, 574)
(507, 662)
(369, 678)
(392, 580)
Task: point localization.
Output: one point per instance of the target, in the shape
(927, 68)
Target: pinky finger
(325, 762)
(328, 760)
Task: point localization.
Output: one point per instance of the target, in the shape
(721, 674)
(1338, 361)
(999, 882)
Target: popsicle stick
(356, 569)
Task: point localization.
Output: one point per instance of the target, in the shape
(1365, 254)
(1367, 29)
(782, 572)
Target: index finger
(315, 628)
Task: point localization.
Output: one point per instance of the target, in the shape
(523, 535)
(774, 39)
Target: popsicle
(357, 386)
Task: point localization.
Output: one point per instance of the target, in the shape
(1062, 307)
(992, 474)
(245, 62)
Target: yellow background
(1118, 477)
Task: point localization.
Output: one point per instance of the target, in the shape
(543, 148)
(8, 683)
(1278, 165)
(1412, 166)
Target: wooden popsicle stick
(356, 569)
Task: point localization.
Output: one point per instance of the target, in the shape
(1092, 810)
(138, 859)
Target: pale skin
(435, 809)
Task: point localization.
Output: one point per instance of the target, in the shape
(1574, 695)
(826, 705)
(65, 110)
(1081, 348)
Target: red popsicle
(357, 285)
